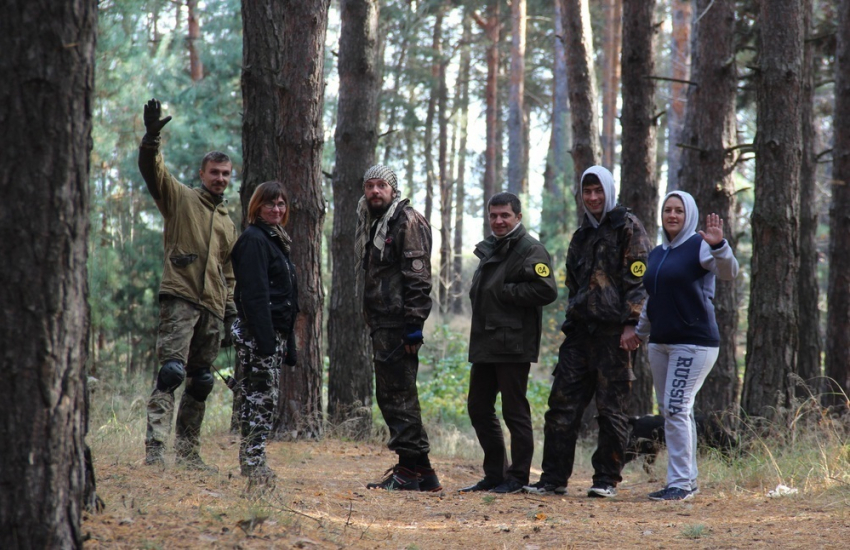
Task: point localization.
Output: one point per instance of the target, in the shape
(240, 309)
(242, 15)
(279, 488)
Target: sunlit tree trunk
(772, 334)
(587, 149)
(517, 145)
(837, 365)
(356, 136)
(462, 96)
(433, 96)
(446, 187)
(283, 94)
(680, 53)
(46, 108)
(708, 159)
(196, 67)
(611, 78)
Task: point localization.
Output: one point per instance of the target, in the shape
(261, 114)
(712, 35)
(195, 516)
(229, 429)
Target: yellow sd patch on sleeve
(638, 268)
(542, 270)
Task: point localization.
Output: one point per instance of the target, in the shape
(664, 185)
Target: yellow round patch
(542, 270)
(638, 268)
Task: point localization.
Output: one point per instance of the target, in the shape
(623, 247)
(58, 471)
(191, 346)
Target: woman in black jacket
(266, 298)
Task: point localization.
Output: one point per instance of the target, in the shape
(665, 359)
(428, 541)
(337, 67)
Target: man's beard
(377, 211)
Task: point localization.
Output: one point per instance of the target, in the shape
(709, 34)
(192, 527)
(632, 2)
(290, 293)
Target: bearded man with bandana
(393, 248)
(606, 263)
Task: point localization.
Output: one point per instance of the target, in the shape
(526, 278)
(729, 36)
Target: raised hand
(713, 233)
(153, 118)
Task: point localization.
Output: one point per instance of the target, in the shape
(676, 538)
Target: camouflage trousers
(589, 365)
(396, 393)
(261, 391)
(191, 335)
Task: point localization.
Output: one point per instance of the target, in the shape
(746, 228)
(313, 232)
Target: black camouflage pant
(588, 366)
(395, 390)
(261, 391)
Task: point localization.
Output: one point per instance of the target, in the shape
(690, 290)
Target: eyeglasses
(272, 205)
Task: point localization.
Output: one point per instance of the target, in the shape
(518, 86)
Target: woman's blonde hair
(267, 192)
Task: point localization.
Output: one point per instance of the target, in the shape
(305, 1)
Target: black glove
(230, 382)
(291, 352)
(227, 337)
(413, 335)
(153, 118)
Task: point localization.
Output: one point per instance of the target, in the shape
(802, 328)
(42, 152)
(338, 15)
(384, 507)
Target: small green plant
(488, 499)
(696, 531)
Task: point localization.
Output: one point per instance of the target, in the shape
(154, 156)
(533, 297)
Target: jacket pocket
(504, 336)
(182, 260)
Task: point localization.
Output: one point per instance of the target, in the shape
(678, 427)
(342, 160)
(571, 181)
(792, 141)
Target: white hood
(691, 219)
(607, 179)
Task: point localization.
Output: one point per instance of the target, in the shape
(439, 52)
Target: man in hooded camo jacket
(393, 248)
(606, 262)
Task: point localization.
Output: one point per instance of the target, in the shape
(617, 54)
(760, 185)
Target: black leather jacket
(266, 292)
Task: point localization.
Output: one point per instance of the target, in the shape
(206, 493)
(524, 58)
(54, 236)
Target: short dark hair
(214, 156)
(266, 192)
(590, 179)
(505, 198)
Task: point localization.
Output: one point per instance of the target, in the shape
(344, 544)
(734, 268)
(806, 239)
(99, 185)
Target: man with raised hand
(195, 295)
(393, 248)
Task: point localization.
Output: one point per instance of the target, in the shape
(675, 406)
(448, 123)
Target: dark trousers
(486, 380)
(395, 391)
(588, 366)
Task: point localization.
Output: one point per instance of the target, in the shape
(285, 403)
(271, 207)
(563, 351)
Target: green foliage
(695, 531)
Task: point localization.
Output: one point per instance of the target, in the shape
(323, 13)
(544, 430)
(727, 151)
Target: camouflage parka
(605, 268)
(397, 289)
(198, 235)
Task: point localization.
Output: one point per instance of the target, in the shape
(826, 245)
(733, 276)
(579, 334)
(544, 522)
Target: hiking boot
(483, 485)
(193, 461)
(508, 487)
(544, 488)
(428, 480)
(602, 490)
(672, 493)
(398, 478)
(155, 454)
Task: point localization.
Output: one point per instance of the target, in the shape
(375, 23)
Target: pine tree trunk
(837, 364)
(680, 53)
(517, 145)
(772, 334)
(707, 164)
(45, 105)
(446, 189)
(587, 150)
(196, 67)
(808, 293)
(283, 91)
(492, 28)
(350, 369)
(638, 183)
(458, 293)
(611, 78)
(436, 54)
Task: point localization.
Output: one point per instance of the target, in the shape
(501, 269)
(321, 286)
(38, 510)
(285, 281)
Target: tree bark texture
(680, 54)
(638, 182)
(772, 334)
(462, 112)
(436, 61)
(611, 78)
(558, 162)
(446, 187)
(808, 292)
(837, 367)
(707, 164)
(517, 144)
(196, 67)
(46, 109)
(283, 94)
(492, 28)
(350, 370)
(587, 149)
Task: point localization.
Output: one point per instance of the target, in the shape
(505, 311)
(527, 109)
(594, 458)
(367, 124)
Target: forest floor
(320, 501)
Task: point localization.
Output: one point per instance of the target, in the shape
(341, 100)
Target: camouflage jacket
(198, 236)
(605, 268)
(513, 282)
(397, 289)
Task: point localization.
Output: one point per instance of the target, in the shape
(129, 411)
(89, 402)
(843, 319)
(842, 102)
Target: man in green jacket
(513, 282)
(196, 293)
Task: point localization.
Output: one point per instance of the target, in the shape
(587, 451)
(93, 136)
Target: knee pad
(171, 375)
(200, 384)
